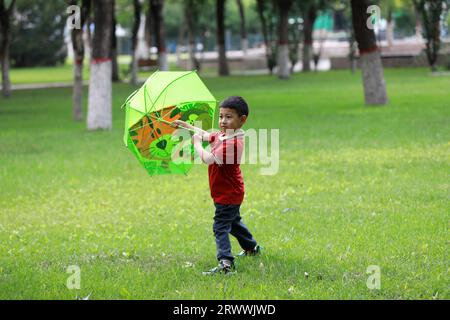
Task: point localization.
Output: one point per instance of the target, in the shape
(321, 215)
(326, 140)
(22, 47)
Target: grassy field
(64, 73)
(357, 186)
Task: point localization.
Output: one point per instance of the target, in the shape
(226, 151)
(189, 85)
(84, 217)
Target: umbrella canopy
(165, 97)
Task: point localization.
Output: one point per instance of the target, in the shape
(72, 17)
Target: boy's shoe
(254, 252)
(224, 267)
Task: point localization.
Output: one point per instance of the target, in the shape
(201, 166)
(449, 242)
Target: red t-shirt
(225, 177)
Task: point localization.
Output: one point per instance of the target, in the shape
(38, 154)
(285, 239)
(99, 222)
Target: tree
(372, 69)
(156, 8)
(115, 65)
(244, 40)
(38, 33)
(220, 16)
(268, 19)
(283, 39)
(100, 85)
(431, 12)
(310, 16)
(5, 28)
(343, 21)
(134, 40)
(295, 34)
(192, 9)
(78, 50)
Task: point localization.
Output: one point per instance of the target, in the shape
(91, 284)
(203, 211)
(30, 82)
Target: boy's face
(230, 120)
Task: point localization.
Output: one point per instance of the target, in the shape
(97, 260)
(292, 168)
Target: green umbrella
(166, 96)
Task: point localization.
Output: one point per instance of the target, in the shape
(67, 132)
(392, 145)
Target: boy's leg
(242, 234)
(223, 219)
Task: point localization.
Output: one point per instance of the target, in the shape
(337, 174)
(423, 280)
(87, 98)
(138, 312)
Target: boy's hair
(236, 103)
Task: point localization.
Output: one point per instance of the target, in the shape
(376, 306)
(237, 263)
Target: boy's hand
(179, 123)
(196, 138)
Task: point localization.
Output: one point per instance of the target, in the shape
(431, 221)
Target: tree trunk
(390, 28)
(261, 8)
(283, 45)
(192, 60)
(6, 82)
(181, 40)
(158, 18)
(115, 64)
(87, 39)
(79, 52)
(5, 28)
(220, 13)
(244, 40)
(77, 95)
(134, 41)
(372, 69)
(431, 12)
(190, 24)
(418, 24)
(310, 18)
(100, 86)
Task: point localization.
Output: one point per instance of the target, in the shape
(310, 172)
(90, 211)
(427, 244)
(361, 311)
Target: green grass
(357, 186)
(64, 73)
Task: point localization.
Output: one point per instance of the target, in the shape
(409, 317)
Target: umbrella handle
(170, 123)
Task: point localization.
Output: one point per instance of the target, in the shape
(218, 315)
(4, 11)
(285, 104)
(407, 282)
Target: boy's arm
(207, 157)
(204, 134)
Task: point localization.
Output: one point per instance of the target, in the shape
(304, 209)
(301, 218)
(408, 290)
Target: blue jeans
(227, 220)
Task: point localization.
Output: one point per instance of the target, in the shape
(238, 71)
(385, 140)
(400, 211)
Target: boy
(225, 180)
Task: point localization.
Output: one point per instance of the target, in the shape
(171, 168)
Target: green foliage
(38, 34)
(125, 13)
(405, 21)
(357, 186)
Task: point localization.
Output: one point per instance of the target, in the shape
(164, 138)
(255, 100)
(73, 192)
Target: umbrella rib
(146, 94)
(170, 83)
(162, 120)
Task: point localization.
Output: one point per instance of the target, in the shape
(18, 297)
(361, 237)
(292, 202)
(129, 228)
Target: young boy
(225, 180)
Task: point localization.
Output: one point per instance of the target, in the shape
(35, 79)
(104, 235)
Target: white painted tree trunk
(373, 79)
(223, 63)
(99, 115)
(142, 50)
(6, 82)
(190, 64)
(306, 57)
(178, 54)
(244, 46)
(77, 97)
(134, 69)
(418, 28)
(390, 33)
(283, 61)
(162, 61)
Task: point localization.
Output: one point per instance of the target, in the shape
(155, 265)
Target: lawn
(357, 186)
(64, 73)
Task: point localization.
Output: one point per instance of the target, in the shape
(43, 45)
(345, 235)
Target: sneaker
(254, 252)
(224, 267)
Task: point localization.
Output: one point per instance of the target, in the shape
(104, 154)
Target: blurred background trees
(38, 33)
(220, 37)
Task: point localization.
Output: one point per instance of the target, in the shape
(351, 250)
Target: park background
(363, 116)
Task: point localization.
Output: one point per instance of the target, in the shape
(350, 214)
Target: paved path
(28, 86)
